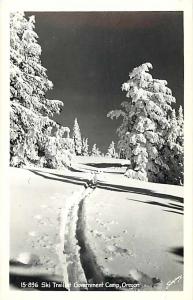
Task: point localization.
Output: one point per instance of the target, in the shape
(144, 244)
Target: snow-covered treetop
(28, 78)
(148, 98)
(77, 138)
(142, 87)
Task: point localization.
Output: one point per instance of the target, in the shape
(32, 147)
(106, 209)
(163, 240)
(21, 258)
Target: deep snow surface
(93, 225)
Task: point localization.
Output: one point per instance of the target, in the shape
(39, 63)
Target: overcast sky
(89, 55)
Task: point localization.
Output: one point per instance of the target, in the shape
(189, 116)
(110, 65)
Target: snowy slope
(83, 228)
(37, 202)
(132, 234)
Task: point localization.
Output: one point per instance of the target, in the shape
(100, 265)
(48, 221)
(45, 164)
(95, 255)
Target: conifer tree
(180, 141)
(58, 149)
(95, 151)
(30, 112)
(111, 152)
(174, 148)
(85, 147)
(77, 138)
(145, 124)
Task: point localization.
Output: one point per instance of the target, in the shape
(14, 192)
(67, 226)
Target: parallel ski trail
(69, 248)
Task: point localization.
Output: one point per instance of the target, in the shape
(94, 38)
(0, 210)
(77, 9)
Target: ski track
(68, 249)
(76, 256)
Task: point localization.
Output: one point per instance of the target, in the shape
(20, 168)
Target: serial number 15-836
(29, 284)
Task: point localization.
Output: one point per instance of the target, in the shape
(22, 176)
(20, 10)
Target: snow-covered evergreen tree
(143, 131)
(85, 147)
(30, 123)
(77, 138)
(111, 152)
(95, 151)
(58, 150)
(180, 140)
(174, 148)
(63, 136)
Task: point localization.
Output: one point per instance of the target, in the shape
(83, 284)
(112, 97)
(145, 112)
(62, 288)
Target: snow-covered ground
(93, 228)
(38, 199)
(135, 237)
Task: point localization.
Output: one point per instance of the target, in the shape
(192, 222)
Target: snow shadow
(178, 252)
(15, 263)
(108, 171)
(41, 282)
(20, 273)
(107, 165)
(62, 178)
(172, 211)
(112, 187)
(178, 208)
(136, 190)
(74, 170)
